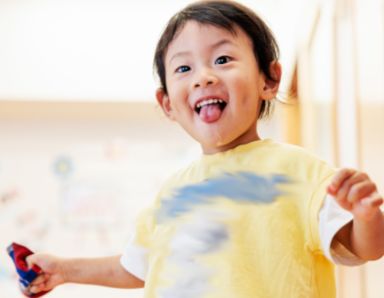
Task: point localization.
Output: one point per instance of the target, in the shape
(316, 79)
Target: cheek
(254, 85)
(176, 87)
(246, 89)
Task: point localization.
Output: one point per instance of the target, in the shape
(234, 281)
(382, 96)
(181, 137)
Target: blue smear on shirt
(242, 187)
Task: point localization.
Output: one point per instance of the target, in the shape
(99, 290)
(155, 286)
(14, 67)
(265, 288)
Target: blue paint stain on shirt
(242, 187)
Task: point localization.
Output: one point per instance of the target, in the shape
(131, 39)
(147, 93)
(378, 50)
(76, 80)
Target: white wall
(103, 49)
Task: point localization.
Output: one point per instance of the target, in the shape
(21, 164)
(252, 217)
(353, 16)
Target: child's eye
(223, 60)
(183, 68)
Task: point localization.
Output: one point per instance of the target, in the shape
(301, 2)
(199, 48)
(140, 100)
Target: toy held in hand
(27, 275)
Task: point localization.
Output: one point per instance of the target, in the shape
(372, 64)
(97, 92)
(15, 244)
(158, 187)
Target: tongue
(210, 113)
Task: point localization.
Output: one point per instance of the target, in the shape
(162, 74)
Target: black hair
(223, 14)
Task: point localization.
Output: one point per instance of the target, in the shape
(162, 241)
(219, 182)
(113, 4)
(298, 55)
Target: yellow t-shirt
(238, 224)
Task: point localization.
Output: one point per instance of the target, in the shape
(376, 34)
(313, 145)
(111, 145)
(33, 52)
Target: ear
(164, 102)
(271, 87)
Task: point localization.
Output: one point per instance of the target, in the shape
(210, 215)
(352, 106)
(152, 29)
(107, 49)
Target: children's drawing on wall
(88, 200)
(82, 198)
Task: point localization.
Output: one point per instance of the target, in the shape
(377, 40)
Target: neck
(246, 138)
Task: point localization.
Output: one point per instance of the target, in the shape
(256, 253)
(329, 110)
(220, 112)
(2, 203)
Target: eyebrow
(214, 46)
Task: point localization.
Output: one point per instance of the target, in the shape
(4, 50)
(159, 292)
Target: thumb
(33, 260)
(46, 262)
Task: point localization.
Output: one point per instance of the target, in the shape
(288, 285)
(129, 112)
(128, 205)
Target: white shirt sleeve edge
(332, 218)
(135, 261)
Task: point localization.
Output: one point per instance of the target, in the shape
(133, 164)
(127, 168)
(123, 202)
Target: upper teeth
(208, 102)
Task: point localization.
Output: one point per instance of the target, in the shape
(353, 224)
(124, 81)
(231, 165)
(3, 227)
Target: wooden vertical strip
(358, 109)
(352, 281)
(341, 284)
(336, 144)
(305, 87)
(357, 101)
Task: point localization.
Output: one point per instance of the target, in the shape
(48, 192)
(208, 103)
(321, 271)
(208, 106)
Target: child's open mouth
(211, 109)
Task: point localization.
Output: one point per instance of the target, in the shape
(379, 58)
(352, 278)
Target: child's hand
(355, 192)
(52, 272)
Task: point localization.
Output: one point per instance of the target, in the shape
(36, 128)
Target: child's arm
(105, 271)
(355, 192)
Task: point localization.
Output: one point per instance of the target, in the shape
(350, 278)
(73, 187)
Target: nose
(204, 77)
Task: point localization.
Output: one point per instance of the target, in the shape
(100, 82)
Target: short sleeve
(316, 203)
(331, 219)
(135, 256)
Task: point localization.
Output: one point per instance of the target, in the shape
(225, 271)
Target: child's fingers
(42, 278)
(344, 204)
(373, 201)
(344, 189)
(38, 288)
(45, 283)
(368, 207)
(30, 260)
(339, 178)
(360, 190)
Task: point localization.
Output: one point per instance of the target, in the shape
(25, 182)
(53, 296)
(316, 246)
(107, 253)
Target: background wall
(83, 146)
(341, 95)
(73, 177)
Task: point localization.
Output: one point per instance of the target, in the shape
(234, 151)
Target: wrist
(374, 216)
(65, 266)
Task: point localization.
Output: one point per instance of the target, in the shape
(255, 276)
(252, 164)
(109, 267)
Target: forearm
(367, 237)
(106, 271)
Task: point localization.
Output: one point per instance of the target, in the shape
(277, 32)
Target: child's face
(214, 86)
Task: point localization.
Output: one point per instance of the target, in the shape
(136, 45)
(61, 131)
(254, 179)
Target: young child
(251, 218)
